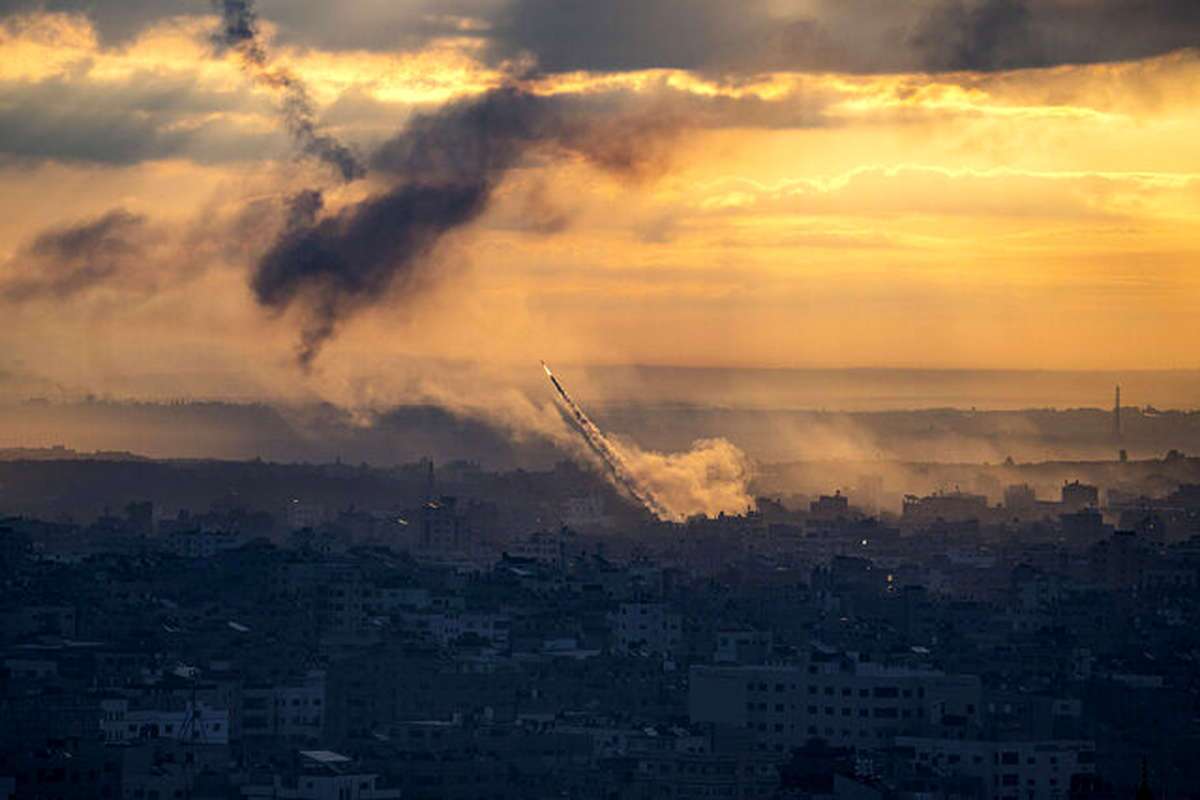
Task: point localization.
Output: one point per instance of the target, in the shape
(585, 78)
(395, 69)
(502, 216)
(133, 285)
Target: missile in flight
(612, 458)
(561, 391)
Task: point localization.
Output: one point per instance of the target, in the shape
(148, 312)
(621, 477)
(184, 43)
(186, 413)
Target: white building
(586, 512)
(300, 708)
(322, 775)
(545, 548)
(1008, 770)
(294, 711)
(199, 724)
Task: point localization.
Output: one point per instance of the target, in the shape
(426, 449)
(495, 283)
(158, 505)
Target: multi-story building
(830, 506)
(301, 514)
(119, 723)
(586, 512)
(1020, 499)
(293, 711)
(647, 626)
(1007, 770)
(444, 529)
(742, 647)
(1077, 496)
(552, 549)
(493, 629)
(333, 592)
(945, 507)
(841, 698)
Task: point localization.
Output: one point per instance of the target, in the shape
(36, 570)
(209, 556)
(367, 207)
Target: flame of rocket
(599, 444)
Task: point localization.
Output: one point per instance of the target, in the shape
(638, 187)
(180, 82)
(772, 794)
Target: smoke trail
(444, 168)
(239, 31)
(616, 463)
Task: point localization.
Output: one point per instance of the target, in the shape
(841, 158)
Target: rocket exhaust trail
(612, 459)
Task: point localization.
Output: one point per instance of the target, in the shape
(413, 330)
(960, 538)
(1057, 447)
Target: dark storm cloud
(147, 116)
(712, 36)
(1115, 30)
(622, 35)
(142, 119)
(1012, 34)
(443, 169)
(115, 20)
(716, 36)
(987, 35)
(838, 35)
(68, 260)
(315, 23)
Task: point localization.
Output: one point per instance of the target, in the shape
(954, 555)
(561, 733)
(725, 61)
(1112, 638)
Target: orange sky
(1038, 218)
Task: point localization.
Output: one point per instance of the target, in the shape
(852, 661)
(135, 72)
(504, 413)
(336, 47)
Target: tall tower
(1117, 415)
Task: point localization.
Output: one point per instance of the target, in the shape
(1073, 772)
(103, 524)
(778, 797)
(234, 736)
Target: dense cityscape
(247, 629)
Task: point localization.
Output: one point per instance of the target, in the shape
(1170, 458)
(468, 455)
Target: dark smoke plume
(66, 261)
(239, 31)
(444, 168)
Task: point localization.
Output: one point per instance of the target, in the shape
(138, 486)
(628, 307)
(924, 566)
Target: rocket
(599, 444)
(561, 391)
(591, 433)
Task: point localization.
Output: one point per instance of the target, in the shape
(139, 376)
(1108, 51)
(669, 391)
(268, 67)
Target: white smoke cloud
(711, 478)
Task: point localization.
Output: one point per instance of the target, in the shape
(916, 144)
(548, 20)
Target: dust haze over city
(600, 399)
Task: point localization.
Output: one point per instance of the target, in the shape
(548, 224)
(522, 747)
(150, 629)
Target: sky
(301, 197)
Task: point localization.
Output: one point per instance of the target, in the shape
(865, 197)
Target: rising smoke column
(617, 466)
(443, 170)
(239, 31)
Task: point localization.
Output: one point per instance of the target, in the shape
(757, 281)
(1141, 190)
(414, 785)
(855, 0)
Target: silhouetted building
(1020, 498)
(945, 507)
(1077, 496)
